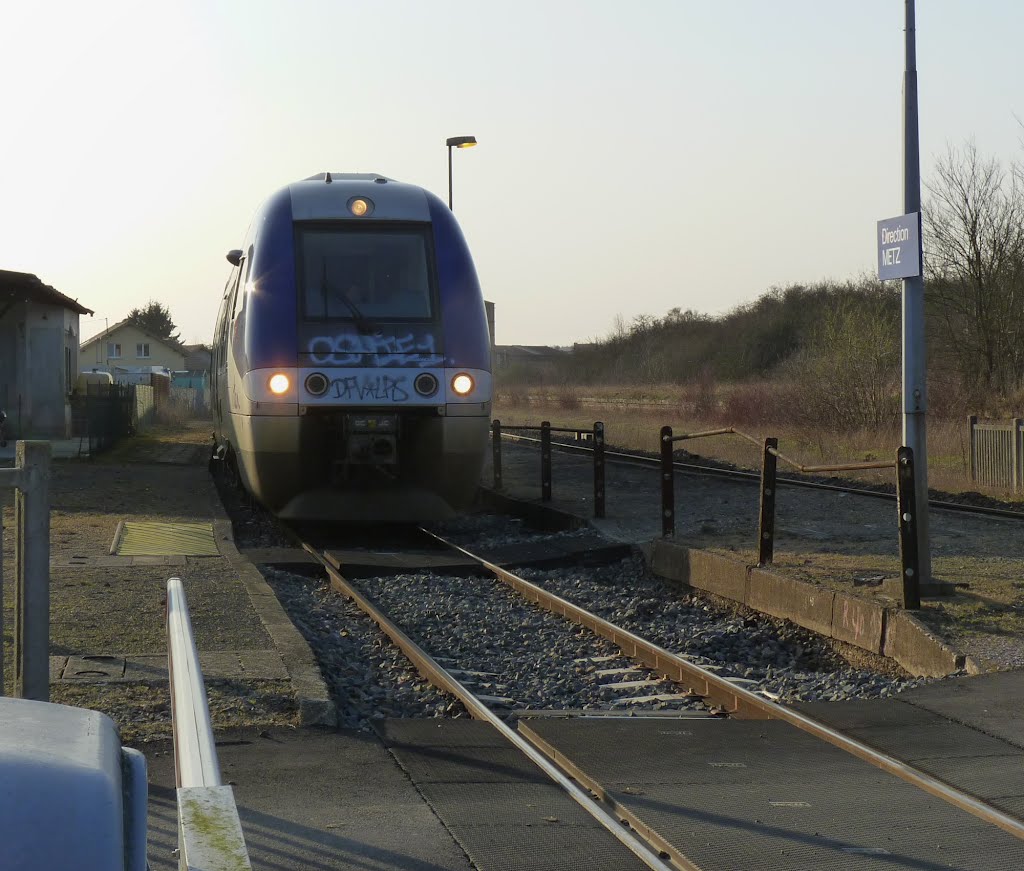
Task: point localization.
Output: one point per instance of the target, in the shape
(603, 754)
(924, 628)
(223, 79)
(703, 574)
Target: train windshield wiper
(364, 324)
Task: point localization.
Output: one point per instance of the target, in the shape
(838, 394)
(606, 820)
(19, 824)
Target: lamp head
(461, 141)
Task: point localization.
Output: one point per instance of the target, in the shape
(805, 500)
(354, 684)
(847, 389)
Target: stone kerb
(859, 622)
(807, 604)
(890, 632)
(912, 645)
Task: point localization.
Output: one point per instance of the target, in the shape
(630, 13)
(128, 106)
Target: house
(39, 354)
(131, 348)
(198, 358)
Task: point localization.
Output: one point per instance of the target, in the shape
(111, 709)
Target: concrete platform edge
(314, 701)
(891, 632)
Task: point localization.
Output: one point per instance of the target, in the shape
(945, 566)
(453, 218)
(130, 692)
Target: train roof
(326, 196)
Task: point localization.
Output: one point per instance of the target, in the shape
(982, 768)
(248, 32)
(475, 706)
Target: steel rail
(755, 477)
(427, 666)
(744, 703)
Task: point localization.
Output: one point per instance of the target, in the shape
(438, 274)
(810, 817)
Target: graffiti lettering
(379, 387)
(352, 349)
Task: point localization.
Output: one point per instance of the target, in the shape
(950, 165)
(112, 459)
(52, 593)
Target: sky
(632, 158)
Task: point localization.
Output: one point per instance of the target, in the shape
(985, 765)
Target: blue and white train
(351, 363)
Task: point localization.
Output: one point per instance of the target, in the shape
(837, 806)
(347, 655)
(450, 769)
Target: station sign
(899, 246)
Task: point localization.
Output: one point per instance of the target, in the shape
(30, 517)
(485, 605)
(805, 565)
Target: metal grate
(142, 538)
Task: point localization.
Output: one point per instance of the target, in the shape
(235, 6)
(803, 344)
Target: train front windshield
(365, 272)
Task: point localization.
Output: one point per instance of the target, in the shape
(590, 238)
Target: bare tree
(974, 256)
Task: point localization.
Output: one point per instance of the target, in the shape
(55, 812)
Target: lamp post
(456, 142)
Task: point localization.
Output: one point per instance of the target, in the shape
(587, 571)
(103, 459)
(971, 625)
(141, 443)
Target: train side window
(237, 293)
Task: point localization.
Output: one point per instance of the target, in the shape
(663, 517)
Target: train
(351, 370)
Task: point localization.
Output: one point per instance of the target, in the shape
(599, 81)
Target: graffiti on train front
(353, 349)
(378, 388)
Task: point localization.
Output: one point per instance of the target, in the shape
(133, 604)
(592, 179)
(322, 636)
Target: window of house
(113, 350)
(142, 349)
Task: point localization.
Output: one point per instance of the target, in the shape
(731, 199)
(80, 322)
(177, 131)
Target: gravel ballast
(527, 659)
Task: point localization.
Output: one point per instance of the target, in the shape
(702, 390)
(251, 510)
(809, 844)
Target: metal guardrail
(209, 831)
(595, 436)
(997, 452)
(30, 479)
(906, 514)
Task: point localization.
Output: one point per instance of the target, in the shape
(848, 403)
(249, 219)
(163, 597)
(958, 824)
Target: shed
(39, 351)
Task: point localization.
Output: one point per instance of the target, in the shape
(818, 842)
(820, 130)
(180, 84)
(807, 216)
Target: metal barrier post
(545, 461)
(598, 469)
(3, 688)
(668, 485)
(906, 503)
(766, 514)
(32, 558)
(496, 452)
(972, 422)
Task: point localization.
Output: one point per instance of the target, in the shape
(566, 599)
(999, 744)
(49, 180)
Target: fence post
(32, 558)
(668, 485)
(972, 421)
(545, 461)
(496, 452)
(1014, 427)
(766, 513)
(598, 469)
(908, 528)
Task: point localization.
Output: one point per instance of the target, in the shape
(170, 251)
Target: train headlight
(360, 207)
(279, 384)
(462, 384)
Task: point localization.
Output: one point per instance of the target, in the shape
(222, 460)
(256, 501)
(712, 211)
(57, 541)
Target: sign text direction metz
(899, 246)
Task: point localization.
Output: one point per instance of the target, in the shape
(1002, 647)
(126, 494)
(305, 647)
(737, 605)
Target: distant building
(527, 355)
(198, 358)
(39, 354)
(129, 347)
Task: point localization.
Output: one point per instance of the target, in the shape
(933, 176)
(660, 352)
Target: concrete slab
(988, 702)
(497, 804)
(312, 799)
(733, 794)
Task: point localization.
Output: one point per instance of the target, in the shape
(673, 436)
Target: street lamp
(456, 142)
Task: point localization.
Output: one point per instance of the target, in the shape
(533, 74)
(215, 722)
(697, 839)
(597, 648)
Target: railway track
(755, 477)
(692, 683)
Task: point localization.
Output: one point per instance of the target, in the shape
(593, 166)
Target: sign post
(899, 256)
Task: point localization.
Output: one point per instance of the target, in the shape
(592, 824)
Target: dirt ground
(158, 475)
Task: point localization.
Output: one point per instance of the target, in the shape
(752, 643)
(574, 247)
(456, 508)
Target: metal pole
(766, 512)
(3, 689)
(598, 469)
(668, 485)
(972, 421)
(1014, 453)
(545, 461)
(450, 178)
(32, 557)
(909, 557)
(496, 452)
(915, 393)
